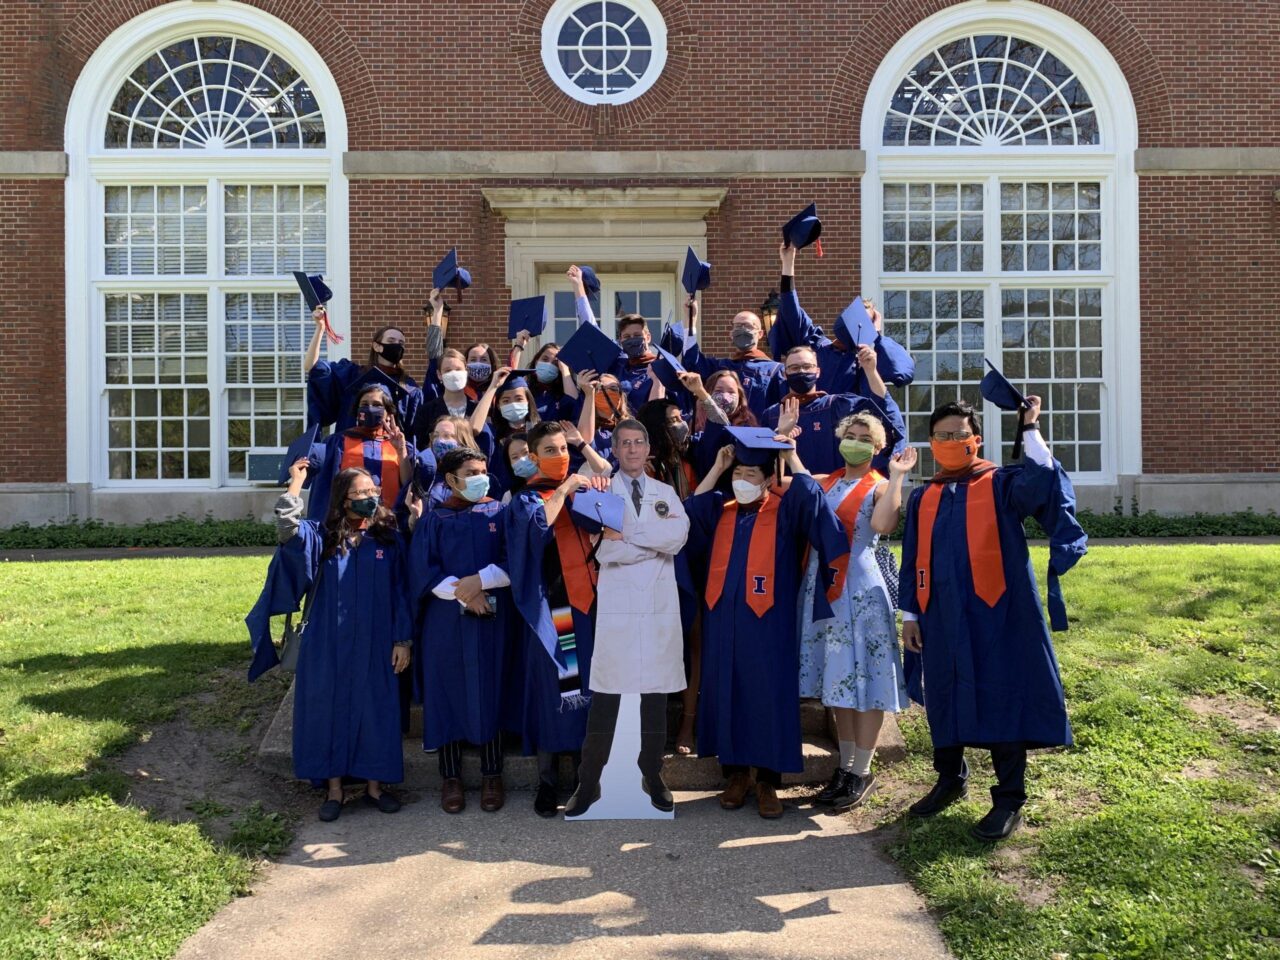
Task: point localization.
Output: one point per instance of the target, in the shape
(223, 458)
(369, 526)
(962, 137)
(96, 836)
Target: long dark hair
(384, 398)
(517, 483)
(374, 356)
(338, 528)
(668, 461)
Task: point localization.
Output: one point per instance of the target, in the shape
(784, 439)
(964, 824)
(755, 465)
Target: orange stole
(852, 502)
(573, 547)
(761, 555)
(389, 482)
(986, 561)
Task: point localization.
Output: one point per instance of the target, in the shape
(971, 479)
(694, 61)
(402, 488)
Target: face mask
(856, 452)
(474, 488)
(605, 405)
(365, 507)
(454, 380)
(725, 400)
(441, 447)
(633, 347)
(393, 352)
(679, 432)
(802, 383)
(370, 416)
(554, 468)
(547, 372)
(514, 412)
(955, 455)
(524, 468)
(479, 372)
(744, 491)
(743, 339)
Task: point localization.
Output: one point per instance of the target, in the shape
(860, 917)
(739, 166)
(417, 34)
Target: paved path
(711, 884)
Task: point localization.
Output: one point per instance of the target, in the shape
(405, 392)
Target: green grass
(91, 656)
(1156, 836)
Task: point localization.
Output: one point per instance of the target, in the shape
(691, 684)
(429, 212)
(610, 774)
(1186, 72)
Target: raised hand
(787, 256)
(877, 319)
(866, 357)
(499, 378)
(396, 436)
(298, 471)
(693, 383)
(691, 309)
(1032, 413)
(414, 504)
(320, 316)
(587, 381)
(903, 463)
(574, 273)
(789, 418)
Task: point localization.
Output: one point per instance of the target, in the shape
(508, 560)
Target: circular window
(604, 51)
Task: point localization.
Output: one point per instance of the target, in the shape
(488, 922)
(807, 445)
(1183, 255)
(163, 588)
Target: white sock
(861, 761)
(847, 750)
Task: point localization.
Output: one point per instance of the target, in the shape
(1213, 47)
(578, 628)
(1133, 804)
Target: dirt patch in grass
(1246, 716)
(1202, 770)
(1010, 865)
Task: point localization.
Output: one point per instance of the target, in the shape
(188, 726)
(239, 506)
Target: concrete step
(521, 773)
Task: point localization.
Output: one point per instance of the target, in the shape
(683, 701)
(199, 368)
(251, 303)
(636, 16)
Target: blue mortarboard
(595, 509)
(854, 326)
(673, 337)
(301, 447)
(313, 289)
(448, 274)
(374, 377)
(514, 382)
(589, 348)
(590, 281)
(527, 314)
(803, 229)
(755, 446)
(997, 388)
(697, 273)
(665, 367)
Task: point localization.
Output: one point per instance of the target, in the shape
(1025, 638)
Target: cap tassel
(1017, 437)
(817, 246)
(333, 335)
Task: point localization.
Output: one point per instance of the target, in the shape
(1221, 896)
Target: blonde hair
(462, 431)
(868, 420)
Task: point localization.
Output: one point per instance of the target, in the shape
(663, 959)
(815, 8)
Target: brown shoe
(452, 799)
(493, 794)
(735, 795)
(767, 800)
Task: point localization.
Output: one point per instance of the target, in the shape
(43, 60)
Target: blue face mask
(547, 372)
(524, 468)
(479, 372)
(441, 447)
(802, 383)
(370, 416)
(475, 487)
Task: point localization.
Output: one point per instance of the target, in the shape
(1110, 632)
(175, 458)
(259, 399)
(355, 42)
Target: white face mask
(514, 412)
(744, 491)
(454, 379)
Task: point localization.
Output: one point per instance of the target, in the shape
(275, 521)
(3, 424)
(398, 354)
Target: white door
(650, 295)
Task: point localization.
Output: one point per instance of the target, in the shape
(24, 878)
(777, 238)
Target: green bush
(173, 532)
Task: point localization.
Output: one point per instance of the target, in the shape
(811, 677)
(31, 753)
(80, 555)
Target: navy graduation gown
(331, 396)
(460, 657)
(749, 700)
(762, 378)
(331, 465)
(819, 448)
(532, 561)
(989, 674)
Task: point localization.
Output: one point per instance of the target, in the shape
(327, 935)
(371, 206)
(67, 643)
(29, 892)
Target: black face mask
(393, 352)
(679, 431)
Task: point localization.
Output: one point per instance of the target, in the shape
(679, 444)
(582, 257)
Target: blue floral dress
(853, 660)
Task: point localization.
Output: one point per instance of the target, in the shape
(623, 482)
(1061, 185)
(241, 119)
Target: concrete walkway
(711, 884)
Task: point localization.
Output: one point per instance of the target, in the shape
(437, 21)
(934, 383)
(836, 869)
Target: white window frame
(91, 167)
(1111, 163)
(653, 20)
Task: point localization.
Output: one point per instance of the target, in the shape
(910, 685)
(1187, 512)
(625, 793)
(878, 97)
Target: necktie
(635, 495)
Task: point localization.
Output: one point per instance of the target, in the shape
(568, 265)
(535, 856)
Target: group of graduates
(458, 549)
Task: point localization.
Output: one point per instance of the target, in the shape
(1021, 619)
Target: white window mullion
(217, 340)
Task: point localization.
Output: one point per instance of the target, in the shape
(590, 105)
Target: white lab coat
(639, 644)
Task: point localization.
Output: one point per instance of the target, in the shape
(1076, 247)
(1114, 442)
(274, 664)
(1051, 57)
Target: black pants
(1010, 762)
(763, 774)
(602, 721)
(450, 756)
(548, 766)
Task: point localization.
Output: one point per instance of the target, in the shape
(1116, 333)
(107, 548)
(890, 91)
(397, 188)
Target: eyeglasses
(953, 435)
(629, 444)
(362, 494)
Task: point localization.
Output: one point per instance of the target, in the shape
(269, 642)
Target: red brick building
(1085, 191)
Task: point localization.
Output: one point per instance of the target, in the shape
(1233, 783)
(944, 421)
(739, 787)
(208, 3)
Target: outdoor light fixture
(769, 310)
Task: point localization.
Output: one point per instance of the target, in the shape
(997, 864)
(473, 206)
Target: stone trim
(1207, 161)
(473, 164)
(33, 165)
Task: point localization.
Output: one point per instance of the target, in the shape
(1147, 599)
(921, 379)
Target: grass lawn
(1157, 836)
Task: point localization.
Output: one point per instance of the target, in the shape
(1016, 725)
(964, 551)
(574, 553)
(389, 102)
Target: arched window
(999, 221)
(204, 170)
(604, 51)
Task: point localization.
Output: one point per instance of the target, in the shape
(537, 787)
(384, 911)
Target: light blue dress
(853, 660)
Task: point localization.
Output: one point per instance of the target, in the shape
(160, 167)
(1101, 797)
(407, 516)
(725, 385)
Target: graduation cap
(697, 273)
(854, 326)
(997, 388)
(755, 446)
(594, 510)
(301, 447)
(374, 377)
(666, 368)
(803, 229)
(527, 314)
(448, 274)
(589, 348)
(590, 281)
(316, 293)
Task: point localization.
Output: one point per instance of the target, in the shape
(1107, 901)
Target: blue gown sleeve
(912, 667)
(813, 520)
(289, 576)
(402, 610)
(1046, 494)
(893, 362)
(527, 537)
(793, 327)
(327, 383)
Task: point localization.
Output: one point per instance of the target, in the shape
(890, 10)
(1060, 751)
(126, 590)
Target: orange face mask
(554, 468)
(955, 455)
(606, 406)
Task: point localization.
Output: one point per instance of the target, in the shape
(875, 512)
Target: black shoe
(833, 789)
(579, 803)
(546, 803)
(659, 795)
(330, 810)
(944, 793)
(997, 824)
(384, 801)
(855, 791)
